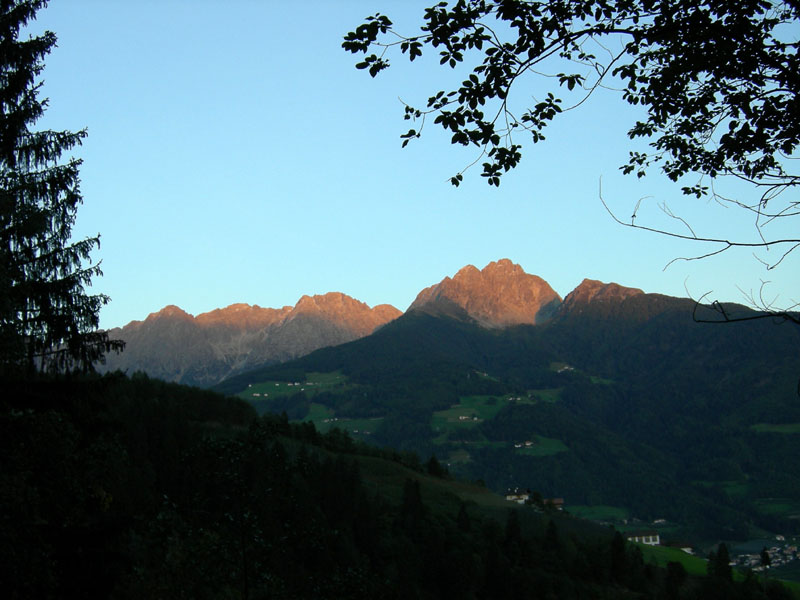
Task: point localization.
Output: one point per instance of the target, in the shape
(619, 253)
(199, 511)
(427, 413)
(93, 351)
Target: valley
(613, 399)
(464, 434)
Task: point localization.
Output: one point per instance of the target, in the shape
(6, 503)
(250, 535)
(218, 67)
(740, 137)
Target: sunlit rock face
(173, 345)
(500, 295)
(591, 291)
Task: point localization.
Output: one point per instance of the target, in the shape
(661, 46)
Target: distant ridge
(500, 295)
(597, 298)
(591, 290)
(204, 350)
(173, 345)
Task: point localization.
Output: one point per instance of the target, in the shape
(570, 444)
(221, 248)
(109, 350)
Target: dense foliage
(132, 488)
(47, 320)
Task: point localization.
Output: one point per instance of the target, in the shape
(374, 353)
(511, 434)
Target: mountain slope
(203, 350)
(624, 399)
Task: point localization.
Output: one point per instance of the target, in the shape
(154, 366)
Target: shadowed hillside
(622, 398)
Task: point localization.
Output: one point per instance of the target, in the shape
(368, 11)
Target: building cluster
(778, 555)
(650, 537)
(521, 496)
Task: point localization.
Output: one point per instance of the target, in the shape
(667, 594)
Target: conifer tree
(48, 322)
(719, 563)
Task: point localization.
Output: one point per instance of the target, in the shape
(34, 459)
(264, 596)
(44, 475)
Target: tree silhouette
(47, 320)
(719, 563)
(719, 83)
(766, 562)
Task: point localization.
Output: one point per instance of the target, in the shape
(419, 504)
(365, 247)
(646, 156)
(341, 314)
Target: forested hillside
(133, 488)
(626, 403)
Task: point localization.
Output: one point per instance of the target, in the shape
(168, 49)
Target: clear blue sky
(235, 155)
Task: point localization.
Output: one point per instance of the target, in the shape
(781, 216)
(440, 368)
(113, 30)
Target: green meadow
(470, 411)
(661, 555)
(313, 384)
(542, 446)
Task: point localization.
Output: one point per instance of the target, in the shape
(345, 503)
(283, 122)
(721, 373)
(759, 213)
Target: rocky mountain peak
(242, 316)
(500, 295)
(170, 312)
(591, 290)
(344, 311)
(325, 301)
(597, 299)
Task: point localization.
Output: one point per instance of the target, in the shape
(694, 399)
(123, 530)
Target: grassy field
(561, 367)
(694, 565)
(547, 395)
(661, 555)
(735, 488)
(772, 428)
(473, 410)
(313, 384)
(543, 446)
(470, 411)
(324, 420)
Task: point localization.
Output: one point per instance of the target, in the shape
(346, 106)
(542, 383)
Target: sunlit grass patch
(662, 555)
(541, 446)
(325, 420)
(311, 385)
(544, 395)
(470, 411)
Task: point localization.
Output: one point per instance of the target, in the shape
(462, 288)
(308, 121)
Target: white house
(649, 537)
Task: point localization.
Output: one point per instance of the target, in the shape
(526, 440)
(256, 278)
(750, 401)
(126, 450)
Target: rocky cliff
(500, 295)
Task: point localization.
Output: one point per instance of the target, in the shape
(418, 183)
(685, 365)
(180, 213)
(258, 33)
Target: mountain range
(175, 346)
(611, 397)
(203, 350)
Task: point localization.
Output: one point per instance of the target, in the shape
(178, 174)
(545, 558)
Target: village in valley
(759, 555)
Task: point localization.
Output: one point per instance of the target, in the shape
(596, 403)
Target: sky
(236, 155)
